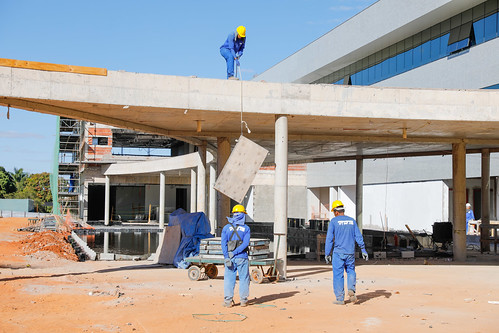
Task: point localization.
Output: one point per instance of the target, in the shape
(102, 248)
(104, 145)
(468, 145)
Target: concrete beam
(160, 165)
(459, 200)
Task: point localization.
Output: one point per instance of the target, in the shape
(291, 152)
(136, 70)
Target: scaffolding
(70, 143)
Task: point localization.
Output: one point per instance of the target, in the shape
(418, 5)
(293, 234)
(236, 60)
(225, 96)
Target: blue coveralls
(240, 262)
(231, 49)
(470, 216)
(343, 232)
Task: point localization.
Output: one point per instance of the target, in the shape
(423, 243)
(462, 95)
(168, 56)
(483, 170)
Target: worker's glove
(328, 259)
(365, 256)
(228, 262)
(231, 255)
(237, 63)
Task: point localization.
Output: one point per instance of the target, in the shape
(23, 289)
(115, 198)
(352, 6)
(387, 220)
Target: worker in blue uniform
(342, 233)
(232, 49)
(470, 216)
(235, 243)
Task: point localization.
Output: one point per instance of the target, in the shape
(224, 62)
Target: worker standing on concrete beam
(343, 232)
(232, 50)
(235, 242)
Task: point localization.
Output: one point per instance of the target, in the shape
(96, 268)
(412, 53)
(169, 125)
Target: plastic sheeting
(194, 227)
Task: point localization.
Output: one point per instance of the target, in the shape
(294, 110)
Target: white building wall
(418, 205)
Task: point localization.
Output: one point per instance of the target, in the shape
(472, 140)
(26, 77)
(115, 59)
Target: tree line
(23, 185)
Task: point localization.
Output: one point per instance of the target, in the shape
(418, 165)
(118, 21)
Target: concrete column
(162, 184)
(281, 191)
(201, 205)
(223, 201)
(107, 199)
(193, 190)
(212, 207)
(106, 242)
(485, 193)
(359, 191)
(459, 201)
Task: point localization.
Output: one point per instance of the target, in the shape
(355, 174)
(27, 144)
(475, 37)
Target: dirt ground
(42, 292)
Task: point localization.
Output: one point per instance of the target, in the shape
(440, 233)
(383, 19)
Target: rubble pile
(51, 241)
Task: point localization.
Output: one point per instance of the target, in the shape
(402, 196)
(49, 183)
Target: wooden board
(43, 66)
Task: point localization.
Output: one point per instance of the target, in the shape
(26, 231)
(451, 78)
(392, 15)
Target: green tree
(19, 177)
(37, 188)
(7, 183)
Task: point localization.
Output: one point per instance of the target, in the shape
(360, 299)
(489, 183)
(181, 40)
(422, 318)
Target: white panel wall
(418, 205)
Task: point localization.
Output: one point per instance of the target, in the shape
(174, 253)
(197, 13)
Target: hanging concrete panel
(241, 168)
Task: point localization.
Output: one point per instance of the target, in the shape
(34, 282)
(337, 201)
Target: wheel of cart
(211, 271)
(258, 274)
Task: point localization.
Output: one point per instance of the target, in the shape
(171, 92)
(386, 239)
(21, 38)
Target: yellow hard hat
(238, 209)
(241, 31)
(337, 204)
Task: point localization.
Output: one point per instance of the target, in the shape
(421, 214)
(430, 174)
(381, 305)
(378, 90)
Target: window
(490, 23)
(100, 141)
(460, 38)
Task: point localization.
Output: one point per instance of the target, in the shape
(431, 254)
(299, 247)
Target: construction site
(396, 125)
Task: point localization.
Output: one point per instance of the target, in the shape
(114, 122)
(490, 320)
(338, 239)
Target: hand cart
(207, 267)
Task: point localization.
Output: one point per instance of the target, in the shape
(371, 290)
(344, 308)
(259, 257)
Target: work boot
(228, 304)
(232, 78)
(339, 302)
(353, 298)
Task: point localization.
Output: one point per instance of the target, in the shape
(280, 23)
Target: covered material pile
(194, 228)
(51, 241)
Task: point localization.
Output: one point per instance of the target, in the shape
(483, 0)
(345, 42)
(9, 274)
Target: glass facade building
(448, 38)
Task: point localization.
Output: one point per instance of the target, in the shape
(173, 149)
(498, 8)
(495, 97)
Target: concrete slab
(168, 245)
(241, 168)
(324, 120)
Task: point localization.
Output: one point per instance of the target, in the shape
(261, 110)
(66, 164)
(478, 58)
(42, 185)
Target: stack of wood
(211, 248)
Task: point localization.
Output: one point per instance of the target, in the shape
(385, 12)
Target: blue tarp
(194, 227)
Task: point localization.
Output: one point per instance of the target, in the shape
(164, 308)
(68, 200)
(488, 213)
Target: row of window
(482, 30)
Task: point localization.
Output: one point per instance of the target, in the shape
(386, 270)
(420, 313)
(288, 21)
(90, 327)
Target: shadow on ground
(272, 297)
(294, 273)
(372, 295)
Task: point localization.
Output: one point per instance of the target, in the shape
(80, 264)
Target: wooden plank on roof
(43, 66)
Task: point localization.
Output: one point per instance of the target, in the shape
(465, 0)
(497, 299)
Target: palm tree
(19, 177)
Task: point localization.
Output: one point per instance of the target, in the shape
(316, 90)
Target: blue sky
(161, 37)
